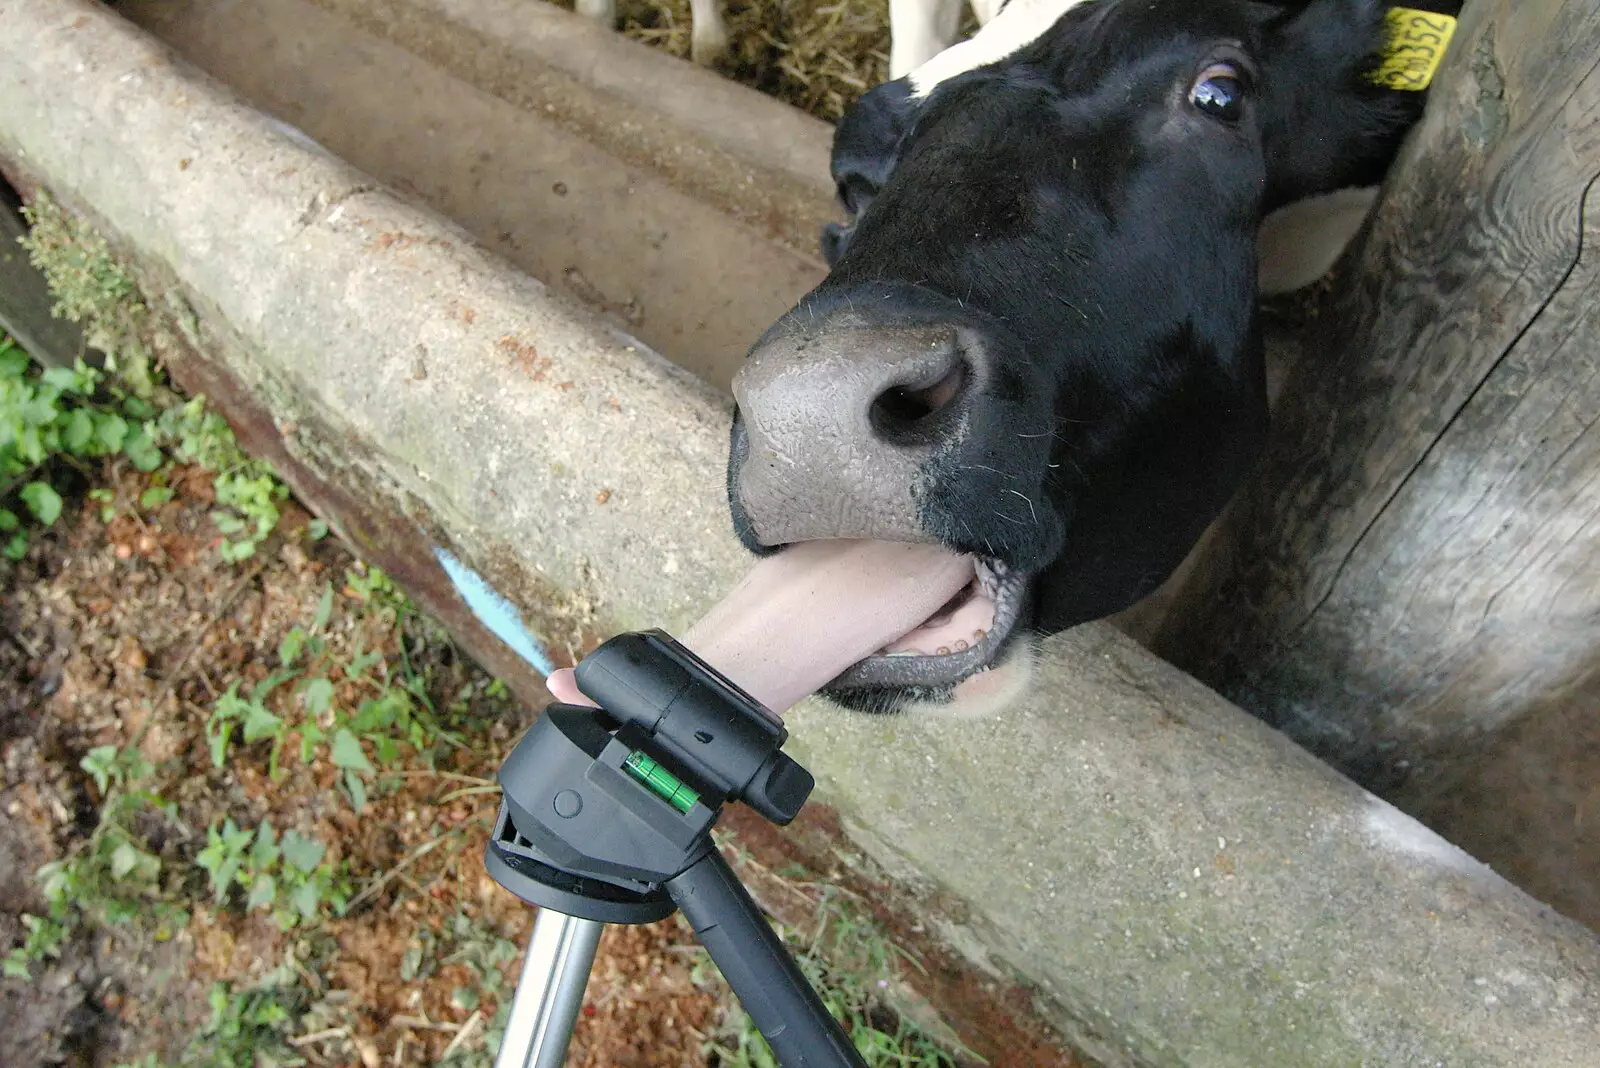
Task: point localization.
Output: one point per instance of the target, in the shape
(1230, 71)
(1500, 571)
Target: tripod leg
(549, 991)
(756, 965)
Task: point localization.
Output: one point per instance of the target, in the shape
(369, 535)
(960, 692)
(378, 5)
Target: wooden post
(1416, 566)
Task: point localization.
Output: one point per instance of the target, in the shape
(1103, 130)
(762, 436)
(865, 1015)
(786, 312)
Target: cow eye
(1219, 92)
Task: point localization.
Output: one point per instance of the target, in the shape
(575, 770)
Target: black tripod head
(603, 806)
(607, 814)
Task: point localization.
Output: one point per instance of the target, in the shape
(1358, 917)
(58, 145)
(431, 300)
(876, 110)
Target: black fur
(1071, 208)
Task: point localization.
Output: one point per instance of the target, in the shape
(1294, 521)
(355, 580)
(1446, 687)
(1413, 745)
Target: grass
(819, 55)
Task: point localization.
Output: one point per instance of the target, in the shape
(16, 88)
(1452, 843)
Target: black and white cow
(1038, 342)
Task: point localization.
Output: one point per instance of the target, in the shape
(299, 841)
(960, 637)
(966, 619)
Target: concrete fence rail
(1181, 884)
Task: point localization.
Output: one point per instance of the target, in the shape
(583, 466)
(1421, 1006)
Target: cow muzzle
(840, 419)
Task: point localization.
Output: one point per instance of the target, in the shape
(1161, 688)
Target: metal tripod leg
(549, 991)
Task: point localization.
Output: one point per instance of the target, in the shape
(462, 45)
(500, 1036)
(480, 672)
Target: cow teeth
(944, 650)
(980, 634)
(961, 645)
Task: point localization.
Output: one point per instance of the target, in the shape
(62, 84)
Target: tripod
(606, 817)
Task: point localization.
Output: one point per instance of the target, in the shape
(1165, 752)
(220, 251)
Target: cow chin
(986, 694)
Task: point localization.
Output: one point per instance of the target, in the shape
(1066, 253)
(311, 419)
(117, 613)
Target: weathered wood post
(1416, 566)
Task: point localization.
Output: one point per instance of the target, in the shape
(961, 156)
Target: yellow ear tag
(1417, 40)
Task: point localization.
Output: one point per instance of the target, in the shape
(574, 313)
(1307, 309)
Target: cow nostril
(901, 411)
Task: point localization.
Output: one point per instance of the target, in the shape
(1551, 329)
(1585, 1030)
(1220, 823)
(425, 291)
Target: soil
(128, 631)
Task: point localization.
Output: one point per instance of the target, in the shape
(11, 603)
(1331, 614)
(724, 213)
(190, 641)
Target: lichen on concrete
(91, 288)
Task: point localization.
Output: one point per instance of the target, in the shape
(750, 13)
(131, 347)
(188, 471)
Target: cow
(918, 29)
(1038, 340)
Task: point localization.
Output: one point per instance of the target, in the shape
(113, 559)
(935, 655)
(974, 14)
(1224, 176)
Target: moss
(93, 289)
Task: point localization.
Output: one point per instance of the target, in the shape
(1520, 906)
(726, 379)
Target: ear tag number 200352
(1417, 42)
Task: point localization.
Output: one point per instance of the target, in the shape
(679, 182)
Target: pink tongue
(801, 616)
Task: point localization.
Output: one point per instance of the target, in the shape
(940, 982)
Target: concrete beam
(1181, 884)
(535, 131)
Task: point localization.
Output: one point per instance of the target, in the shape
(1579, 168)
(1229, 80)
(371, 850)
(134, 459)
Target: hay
(819, 55)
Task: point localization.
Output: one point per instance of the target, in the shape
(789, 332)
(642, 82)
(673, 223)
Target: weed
(374, 588)
(284, 875)
(371, 585)
(57, 418)
(249, 1027)
(112, 880)
(392, 716)
(51, 419)
(300, 640)
(92, 288)
(44, 941)
(461, 941)
(248, 490)
(251, 716)
(110, 766)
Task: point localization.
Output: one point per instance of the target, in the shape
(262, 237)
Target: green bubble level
(661, 782)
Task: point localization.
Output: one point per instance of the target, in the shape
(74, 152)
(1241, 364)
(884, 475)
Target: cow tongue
(803, 615)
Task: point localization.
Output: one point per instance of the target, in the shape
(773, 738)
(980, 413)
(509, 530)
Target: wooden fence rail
(1411, 585)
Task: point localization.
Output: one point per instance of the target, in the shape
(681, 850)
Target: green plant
(372, 585)
(58, 414)
(248, 490)
(44, 941)
(393, 716)
(463, 941)
(299, 640)
(93, 288)
(374, 588)
(251, 716)
(114, 877)
(248, 1027)
(285, 875)
(111, 766)
(111, 881)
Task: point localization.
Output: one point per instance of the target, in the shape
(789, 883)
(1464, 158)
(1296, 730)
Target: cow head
(1038, 340)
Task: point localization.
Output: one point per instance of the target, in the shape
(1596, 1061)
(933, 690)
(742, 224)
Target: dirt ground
(127, 632)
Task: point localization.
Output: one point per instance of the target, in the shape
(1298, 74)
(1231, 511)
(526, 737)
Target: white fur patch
(1019, 24)
(920, 30)
(1300, 242)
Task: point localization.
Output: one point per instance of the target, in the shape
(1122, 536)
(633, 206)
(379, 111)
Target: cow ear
(1326, 123)
(865, 146)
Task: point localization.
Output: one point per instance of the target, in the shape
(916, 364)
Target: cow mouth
(855, 617)
(965, 637)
